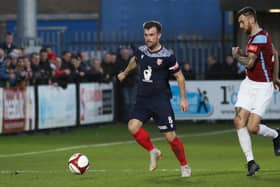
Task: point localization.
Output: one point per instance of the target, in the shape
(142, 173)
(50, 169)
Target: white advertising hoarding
(57, 106)
(96, 103)
(214, 100)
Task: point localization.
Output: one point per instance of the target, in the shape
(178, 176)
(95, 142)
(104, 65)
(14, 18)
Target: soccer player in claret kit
(256, 90)
(156, 63)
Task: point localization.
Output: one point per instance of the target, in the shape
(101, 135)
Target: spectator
(128, 85)
(187, 72)
(51, 54)
(214, 70)
(40, 75)
(14, 58)
(95, 71)
(6, 79)
(230, 69)
(8, 44)
(79, 74)
(60, 75)
(85, 62)
(67, 65)
(22, 77)
(108, 67)
(2, 56)
(45, 67)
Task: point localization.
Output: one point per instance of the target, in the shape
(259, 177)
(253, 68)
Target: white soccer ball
(78, 163)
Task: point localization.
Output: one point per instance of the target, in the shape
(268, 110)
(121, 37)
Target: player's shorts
(255, 96)
(158, 108)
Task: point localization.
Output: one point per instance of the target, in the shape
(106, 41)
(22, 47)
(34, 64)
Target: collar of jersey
(260, 29)
(151, 52)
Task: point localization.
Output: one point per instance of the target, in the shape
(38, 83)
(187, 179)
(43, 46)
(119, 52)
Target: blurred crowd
(19, 69)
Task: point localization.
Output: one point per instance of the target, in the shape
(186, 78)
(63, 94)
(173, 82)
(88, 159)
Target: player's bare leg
(142, 138)
(178, 149)
(255, 127)
(240, 121)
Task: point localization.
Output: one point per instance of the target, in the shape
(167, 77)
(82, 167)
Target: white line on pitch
(126, 171)
(107, 144)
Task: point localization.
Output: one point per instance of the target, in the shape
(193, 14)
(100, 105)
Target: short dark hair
(8, 33)
(247, 11)
(152, 23)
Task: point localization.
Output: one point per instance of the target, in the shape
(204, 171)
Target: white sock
(266, 131)
(245, 143)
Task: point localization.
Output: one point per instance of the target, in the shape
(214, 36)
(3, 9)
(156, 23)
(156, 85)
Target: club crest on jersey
(159, 61)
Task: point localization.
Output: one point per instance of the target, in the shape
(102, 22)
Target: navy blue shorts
(158, 108)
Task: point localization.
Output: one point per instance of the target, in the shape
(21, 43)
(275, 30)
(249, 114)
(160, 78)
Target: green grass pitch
(213, 152)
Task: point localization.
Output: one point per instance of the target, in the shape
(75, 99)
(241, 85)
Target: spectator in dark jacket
(8, 44)
(128, 85)
(230, 69)
(187, 72)
(60, 75)
(95, 71)
(214, 70)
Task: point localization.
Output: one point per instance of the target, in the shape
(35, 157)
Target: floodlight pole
(26, 23)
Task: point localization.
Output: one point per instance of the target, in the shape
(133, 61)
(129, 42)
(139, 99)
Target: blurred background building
(193, 29)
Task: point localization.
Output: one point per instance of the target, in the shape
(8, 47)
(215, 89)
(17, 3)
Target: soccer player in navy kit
(256, 90)
(156, 64)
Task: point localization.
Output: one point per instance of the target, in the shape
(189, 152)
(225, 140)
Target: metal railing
(187, 48)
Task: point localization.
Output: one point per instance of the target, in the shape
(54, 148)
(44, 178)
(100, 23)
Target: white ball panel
(82, 161)
(74, 169)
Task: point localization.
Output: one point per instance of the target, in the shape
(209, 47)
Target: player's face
(244, 23)
(151, 37)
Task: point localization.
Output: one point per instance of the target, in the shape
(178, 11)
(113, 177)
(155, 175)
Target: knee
(238, 123)
(253, 129)
(132, 127)
(170, 136)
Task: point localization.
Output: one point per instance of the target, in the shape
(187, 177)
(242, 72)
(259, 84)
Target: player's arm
(247, 61)
(131, 66)
(276, 81)
(181, 83)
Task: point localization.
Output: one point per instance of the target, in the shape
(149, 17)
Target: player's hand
(122, 76)
(236, 51)
(184, 104)
(276, 84)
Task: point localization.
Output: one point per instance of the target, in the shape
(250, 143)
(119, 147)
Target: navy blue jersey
(155, 70)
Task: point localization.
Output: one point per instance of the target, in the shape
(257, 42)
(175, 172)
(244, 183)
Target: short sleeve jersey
(155, 69)
(260, 44)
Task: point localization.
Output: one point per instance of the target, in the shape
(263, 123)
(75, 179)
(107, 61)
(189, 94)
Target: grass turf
(216, 159)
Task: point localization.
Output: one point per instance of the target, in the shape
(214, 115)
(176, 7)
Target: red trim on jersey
(253, 48)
